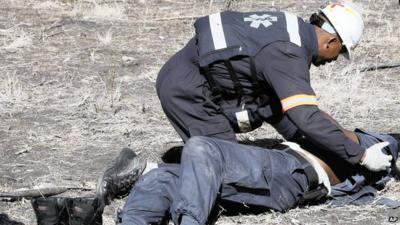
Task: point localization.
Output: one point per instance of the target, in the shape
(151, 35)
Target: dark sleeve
(286, 69)
(286, 128)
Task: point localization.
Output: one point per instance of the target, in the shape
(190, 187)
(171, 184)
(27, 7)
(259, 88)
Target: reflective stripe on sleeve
(292, 26)
(217, 31)
(296, 100)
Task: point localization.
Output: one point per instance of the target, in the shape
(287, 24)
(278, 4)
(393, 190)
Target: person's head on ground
(339, 27)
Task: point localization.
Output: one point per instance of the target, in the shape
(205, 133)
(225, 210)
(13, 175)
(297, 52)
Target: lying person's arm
(335, 167)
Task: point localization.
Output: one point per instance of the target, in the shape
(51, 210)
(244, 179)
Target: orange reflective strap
(296, 100)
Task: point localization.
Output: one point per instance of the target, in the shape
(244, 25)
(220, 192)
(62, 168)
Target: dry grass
(78, 80)
(106, 38)
(15, 39)
(92, 10)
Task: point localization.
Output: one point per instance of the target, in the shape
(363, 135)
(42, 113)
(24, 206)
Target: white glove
(375, 160)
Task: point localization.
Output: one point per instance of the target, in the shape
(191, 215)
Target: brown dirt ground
(77, 84)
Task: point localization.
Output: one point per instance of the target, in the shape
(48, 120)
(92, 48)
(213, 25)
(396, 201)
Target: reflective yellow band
(296, 100)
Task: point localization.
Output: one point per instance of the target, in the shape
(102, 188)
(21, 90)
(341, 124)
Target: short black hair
(317, 20)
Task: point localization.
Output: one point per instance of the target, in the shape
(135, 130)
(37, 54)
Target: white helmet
(347, 22)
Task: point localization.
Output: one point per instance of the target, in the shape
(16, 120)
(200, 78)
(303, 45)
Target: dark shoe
(84, 211)
(50, 211)
(120, 176)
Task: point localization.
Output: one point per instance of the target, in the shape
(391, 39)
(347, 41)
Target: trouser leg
(183, 93)
(150, 200)
(241, 173)
(201, 175)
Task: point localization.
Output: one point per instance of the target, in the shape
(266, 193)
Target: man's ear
(332, 41)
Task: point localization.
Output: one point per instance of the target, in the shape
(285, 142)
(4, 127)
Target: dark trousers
(185, 98)
(214, 169)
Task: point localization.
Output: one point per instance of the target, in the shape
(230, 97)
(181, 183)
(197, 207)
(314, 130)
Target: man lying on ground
(279, 179)
(211, 170)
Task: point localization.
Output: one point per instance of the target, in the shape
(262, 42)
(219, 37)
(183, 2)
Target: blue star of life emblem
(256, 20)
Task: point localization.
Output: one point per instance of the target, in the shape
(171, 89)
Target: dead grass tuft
(15, 39)
(92, 10)
(48, 5)
(106, 38)
(11, 90)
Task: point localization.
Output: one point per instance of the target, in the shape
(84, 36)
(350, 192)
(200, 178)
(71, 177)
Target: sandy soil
(77, 84)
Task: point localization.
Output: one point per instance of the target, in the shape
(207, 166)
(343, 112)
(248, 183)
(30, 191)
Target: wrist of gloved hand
(374, 159)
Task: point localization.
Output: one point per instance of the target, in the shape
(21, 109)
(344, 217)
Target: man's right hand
(374, 159)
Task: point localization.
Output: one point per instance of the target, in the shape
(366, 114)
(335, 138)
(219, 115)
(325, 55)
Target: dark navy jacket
(228, 34)
(283, 47)
(361, 185)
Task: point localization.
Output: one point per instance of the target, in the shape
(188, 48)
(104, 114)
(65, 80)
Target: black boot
(50, 211)
(84, 211)
(120, 176)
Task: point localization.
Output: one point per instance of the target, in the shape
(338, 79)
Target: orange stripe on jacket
(296, 100)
